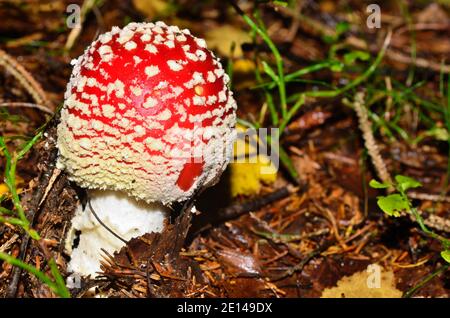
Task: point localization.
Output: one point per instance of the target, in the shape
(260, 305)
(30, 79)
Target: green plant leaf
(329, 39)
(352, 56)
(287, 163)
(342, 27)
(34, 235)
(446, 255)
(378, 185)
(336, 66)
(405, 183)
(269, 71)
(281, 3)
(393, 204)
(439, 133)
(33, 270)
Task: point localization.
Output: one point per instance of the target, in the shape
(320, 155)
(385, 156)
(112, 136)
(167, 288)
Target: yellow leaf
(3, 189)
(246, 79)
(222, 38)
(249, 169)
(151, 8)
(370, 283)
(243, 66)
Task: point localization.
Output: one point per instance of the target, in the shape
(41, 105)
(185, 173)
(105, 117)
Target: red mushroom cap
(147, 111)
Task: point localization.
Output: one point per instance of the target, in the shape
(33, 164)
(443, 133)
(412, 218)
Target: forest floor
(373, 103)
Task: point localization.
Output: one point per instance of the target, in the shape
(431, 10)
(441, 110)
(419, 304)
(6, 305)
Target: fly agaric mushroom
(147, 121)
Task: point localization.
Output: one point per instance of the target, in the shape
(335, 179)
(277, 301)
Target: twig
(306, 260)
(42, 108)
(55, 174)
(236, 210)
(11, 291)
(429, 197)
(369, 139)
(418, 61)
(25, 79)
(8, 243)
(438, 223)
(266, 227)
(432, 221)
(295, 23)
(317, 28)
(287, 238)
(423, 27)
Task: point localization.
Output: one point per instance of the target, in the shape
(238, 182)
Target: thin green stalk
(445, 242)
(409, 91)
(10, 177)
(12, 174)
(403, 93)
(284, 157)
(307, 70)
(337, 92)
(278, 60)
(360, 78)
(246, 123)
(447, 124)
(392, 126)
(59, 280)
(287, 163)
(425, 281)
(381, 123)
(405, 11)
(62, 292)
(268, 96)
(5, 211)
(57, 286)
(292, 112)
(427, 231)
(13, 221)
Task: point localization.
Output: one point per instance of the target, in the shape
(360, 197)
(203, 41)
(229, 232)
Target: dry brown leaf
(239, 262)
(433, 14)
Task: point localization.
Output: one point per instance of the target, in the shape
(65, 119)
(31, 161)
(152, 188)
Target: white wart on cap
(147, 112)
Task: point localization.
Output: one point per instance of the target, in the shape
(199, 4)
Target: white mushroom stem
(122, 214)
